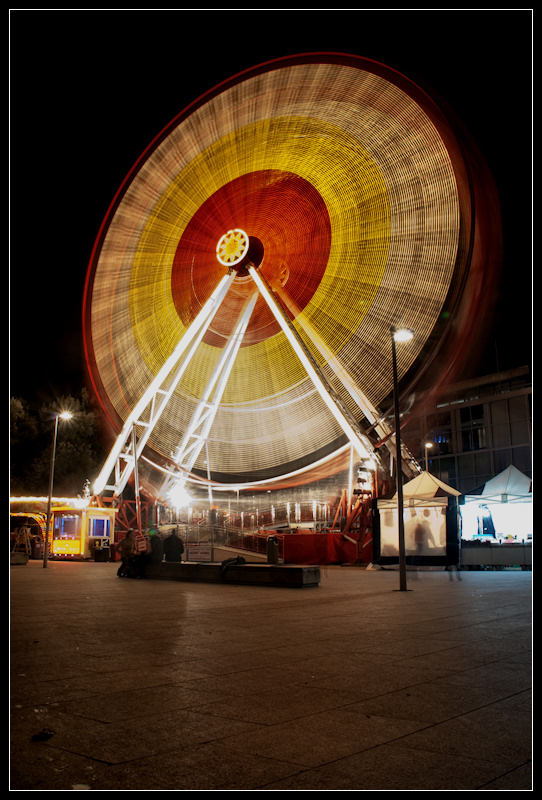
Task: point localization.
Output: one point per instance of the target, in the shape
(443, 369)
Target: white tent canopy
(509, 486)
(423, 490)
(426, 485)
(501, 509)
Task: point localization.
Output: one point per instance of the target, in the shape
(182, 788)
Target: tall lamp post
(63, 415)
(428, 446)
(399, 335)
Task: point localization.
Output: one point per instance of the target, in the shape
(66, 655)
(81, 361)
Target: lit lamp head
(402, 334)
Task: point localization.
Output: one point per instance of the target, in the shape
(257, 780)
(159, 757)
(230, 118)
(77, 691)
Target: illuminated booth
(497, 522)
(432, 524)
(77, 530)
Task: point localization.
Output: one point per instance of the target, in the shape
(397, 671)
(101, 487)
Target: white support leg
(148, 410)
(359, 441)
(200, 425)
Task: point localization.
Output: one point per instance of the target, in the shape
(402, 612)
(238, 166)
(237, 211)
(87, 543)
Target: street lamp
(399, 335)
(64, 415)
(428, 446)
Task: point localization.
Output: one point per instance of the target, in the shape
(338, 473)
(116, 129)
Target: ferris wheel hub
(232, 247)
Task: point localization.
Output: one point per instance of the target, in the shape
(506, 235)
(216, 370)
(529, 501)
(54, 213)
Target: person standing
(126, 548)
(157, 547)
(173, 547)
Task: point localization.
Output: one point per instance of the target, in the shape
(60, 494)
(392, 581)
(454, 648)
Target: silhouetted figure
(132, 563)
(173, 547)
(157, 547)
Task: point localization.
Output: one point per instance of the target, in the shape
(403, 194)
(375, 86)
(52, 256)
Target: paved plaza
(121, 684)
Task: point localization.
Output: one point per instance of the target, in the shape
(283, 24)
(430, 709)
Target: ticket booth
(79, 533)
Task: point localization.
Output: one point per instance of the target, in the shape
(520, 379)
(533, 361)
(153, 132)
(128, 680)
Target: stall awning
(509, 486)
(425, 489)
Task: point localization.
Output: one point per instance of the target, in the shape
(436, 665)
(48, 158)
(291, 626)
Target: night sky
(91, 89)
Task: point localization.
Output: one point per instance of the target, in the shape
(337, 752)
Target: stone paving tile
(390, 767)
(494, 732)
(135, 703)
(271, 706)
(323, 737)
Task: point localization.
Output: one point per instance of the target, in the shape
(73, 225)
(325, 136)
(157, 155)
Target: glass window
(472, 415)
(518, 408)
(499, 411)
(473, 439)
(98, 527)
(465, 465)
(445, 468)
(501, 435)
(444, 419)
(66, 527)
(520, 432)
(502, 459)
(482, 464)
(442, 441)
(521, 458)
(478, 438)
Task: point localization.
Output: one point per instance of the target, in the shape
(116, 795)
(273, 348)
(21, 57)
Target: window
(501, 435)
(473, 430)
(519, 432)
(66, 527)
(445, 469)
(502, 459)
(98, 527)
(517, 408)
(473, 439)
(499, 412)
(521, 458)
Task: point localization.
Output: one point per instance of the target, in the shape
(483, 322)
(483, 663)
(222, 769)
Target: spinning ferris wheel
(243, 285)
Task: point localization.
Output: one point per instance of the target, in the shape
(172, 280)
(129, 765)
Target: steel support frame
(359, 441)
(128, 448)
(125, 452)
(197, 432)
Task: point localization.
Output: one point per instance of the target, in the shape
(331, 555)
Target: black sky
(90, 89)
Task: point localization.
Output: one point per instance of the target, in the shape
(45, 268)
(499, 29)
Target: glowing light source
(179, 496)
(402, 334)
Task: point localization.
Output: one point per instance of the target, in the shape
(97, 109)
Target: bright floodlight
(179, 496)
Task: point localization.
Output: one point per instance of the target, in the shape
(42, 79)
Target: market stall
(432, 524)
(497, 522)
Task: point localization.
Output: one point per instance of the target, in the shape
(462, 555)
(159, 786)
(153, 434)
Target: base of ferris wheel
(121, 467)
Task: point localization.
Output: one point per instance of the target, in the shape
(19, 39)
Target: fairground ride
(244, 283)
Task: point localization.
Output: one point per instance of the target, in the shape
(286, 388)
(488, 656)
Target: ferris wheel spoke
(202, 420)
(146, 413)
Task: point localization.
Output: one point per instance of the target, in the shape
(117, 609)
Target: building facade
(476, 431)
